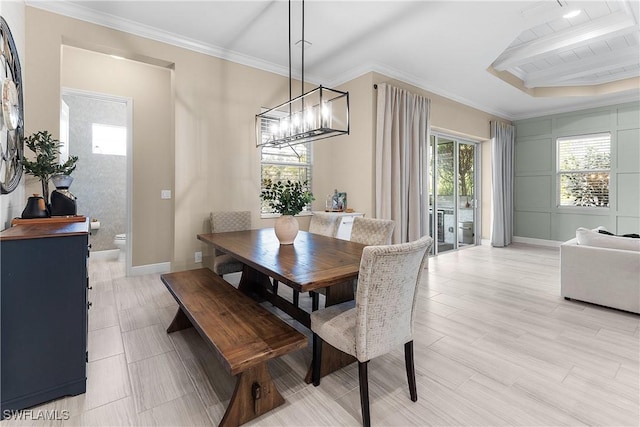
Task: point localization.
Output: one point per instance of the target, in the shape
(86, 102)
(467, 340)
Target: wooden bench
(242, 333)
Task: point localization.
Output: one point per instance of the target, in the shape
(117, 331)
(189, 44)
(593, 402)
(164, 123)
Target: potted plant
(288, 199)
(46, 163)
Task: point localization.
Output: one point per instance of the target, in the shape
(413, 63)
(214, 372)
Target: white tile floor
(495, 344)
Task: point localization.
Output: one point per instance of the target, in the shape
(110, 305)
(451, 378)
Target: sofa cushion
(588, 237)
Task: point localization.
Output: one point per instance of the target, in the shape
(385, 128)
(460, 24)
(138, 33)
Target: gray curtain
(402, 131)
(502, 182)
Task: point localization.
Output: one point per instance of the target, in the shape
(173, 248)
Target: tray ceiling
(598, 45)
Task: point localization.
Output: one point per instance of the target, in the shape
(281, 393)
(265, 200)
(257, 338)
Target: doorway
(453, 183)
(97, 128)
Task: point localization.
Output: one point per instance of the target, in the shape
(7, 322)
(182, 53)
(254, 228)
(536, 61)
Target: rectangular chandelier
(318, 114)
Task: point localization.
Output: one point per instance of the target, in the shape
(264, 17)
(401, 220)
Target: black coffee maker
(63, 203)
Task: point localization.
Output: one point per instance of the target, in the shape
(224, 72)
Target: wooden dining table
(312, 263)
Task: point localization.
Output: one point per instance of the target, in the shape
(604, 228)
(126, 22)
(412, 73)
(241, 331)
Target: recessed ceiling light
(572, 14)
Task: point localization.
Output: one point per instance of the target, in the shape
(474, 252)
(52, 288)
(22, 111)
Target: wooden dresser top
(43, 229)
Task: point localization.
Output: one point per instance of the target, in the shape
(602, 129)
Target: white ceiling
(455, 49)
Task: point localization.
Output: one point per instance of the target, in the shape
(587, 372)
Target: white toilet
(120, 241)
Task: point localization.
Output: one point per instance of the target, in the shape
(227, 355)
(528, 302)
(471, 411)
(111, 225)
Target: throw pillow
(608, 233)
(596, 238)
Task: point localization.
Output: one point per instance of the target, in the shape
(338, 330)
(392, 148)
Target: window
(108, 139)
(584, 164)
(286, 163)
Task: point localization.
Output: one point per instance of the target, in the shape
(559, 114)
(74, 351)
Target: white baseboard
(106, 254)
(538, 242)
(140, 270)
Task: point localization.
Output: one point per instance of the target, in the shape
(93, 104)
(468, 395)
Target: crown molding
(415, 81)
(110, 21)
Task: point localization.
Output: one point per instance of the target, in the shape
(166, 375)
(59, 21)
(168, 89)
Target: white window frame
(117, 146)
(560, 171)
(307, 165)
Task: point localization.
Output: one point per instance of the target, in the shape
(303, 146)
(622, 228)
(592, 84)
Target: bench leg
(244, 406)
(179, 322)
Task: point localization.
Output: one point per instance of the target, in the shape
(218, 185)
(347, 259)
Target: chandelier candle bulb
(328, 117)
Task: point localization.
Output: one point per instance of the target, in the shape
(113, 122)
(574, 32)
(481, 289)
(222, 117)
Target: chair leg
(275, 287)
(315, 301)
(317, 359)
(364, 393)
(411, 371)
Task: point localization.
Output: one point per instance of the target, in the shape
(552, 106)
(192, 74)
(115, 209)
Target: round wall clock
(11, 113)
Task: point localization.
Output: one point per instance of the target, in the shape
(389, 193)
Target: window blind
(584, 165)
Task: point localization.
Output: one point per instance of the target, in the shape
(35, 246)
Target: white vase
(286, 228)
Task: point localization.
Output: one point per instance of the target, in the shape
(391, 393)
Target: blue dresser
(43, 298)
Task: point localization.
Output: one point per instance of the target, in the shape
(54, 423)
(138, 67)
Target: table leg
(338, 294)
(258, 286)
(252, 281)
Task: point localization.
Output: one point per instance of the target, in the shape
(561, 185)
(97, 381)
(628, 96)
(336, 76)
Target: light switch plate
(165, 194)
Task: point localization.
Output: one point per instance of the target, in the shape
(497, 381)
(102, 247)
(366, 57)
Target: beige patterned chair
(228, 221)
(372, 231)
(324, 223)
(383, 316)
(321, 223)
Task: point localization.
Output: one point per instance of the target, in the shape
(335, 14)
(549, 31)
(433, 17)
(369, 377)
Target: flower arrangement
(288, 198)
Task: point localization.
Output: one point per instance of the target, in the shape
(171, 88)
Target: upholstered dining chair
(383, 316)
(321, 223)
(228, 221)
(324, 223)
(372, 231)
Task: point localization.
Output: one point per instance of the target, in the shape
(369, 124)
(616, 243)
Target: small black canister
(36, 208)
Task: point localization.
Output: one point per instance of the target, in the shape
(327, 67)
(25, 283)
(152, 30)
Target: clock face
(11, 112)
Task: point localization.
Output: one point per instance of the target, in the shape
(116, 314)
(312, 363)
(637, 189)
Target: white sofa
(594, 269)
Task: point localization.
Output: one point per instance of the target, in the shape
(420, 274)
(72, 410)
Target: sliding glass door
(453, 178)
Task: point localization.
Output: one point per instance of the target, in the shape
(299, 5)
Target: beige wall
(149, 88)
(346, 162)
(216, 165)
(12, 204)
